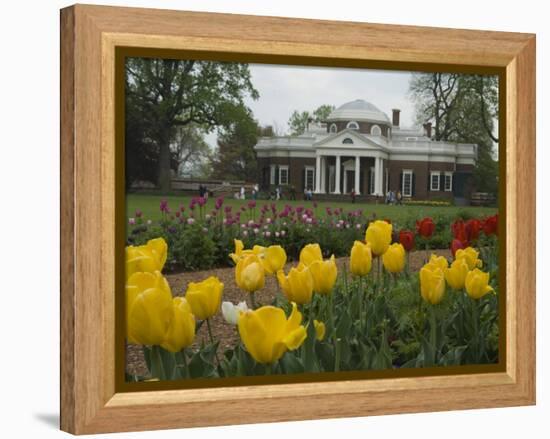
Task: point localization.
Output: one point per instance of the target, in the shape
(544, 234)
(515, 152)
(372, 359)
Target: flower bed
(375, 315)
(200, 239)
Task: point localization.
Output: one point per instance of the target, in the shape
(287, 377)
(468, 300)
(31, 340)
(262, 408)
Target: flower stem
(268, 369)
(433, 326)
(338, 354)
(253, 300)
(212, 340)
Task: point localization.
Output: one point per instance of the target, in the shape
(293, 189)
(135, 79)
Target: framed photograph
(314, 218)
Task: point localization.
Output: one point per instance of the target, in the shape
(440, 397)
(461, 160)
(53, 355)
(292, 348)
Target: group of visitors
(203, 191)
(394, 197)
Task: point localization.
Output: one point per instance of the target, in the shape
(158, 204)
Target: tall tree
(167, 94)
(236, 158)
(190, 150)
(299, 120)
(462, 108)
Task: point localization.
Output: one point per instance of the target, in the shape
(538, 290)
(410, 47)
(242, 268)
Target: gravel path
(226, 333)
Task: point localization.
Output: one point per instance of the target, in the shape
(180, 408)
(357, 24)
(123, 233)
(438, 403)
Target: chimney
(395, 117)
(428, 129)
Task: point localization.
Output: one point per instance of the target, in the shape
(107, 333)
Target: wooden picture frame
(90, 35)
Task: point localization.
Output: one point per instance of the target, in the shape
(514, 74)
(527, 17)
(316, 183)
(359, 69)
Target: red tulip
(456, 245)
(425, 227)
(473, 227)
(406, 238)
(459, 231)
(490, 225)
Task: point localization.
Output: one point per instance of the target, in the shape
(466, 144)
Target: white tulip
(231, 312)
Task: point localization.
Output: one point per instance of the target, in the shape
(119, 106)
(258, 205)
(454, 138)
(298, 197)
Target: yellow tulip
(240, 252)
(324, 275)
(310, 253)
(268, 334)
(205, 297)
(477, 284)
(378, 236)
(149, 258)
(239, 247)
(470, 255)
(320, 330)
(274, 259)
(455, 275)
(181, 331)
(149, 308)
(249, 273)
(432, 283)
(360, 259)
(394, 258)
(439, 261)
(298, 285)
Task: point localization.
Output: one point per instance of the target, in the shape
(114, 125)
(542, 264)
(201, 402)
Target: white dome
(359, 110)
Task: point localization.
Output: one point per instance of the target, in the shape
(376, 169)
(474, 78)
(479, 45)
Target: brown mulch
(221, 330)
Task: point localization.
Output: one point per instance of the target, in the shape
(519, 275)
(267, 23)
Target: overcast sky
(284, 89)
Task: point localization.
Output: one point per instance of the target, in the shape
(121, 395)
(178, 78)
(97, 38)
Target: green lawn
(149, 205)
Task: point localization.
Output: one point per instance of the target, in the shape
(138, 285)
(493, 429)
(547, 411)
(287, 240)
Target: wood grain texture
(90, 35)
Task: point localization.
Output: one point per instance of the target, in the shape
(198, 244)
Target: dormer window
(347, 140)
(352, 125)
(333, 128)
(375, 130)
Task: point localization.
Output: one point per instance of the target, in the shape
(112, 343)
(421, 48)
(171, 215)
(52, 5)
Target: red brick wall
(364, 127)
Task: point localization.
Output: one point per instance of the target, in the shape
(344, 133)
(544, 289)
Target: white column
(377, 179)
(357, 173)
(318, 175)
(323, 175)
(337, 176)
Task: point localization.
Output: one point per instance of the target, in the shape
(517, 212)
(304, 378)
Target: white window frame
(376, 127)
(272, 173)
(372, 180)
(312, 170)
(450, 176)
(435, 188)
(333, 128)
(354, 123)
(285, 169)
(407, 173)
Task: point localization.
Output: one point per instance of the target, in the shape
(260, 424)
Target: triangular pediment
(349, 139)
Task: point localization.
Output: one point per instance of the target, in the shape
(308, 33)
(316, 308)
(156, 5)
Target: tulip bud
(298, 285)
(149, 308)
(378, 236)
(324, 275)
(470, 255)
(181, 331)
(249, 273)
(360, 259)
(310, 253)
(394, 258)
(406, 238)
(205, 297)
(425, 227)
(477, 284)
(274, 259)
(439, 261)
(320, 330)
(432, 283)
(456, 274)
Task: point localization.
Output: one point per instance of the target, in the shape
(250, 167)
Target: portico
(339, 173)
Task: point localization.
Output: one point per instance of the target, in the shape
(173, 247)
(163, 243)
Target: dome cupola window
(375, 130)
(352, 125)
(333, 128)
